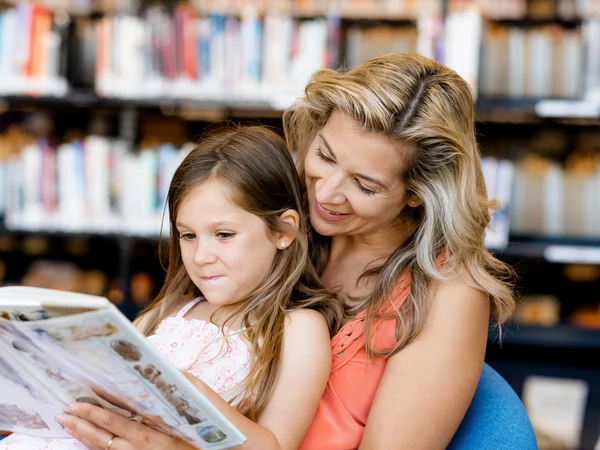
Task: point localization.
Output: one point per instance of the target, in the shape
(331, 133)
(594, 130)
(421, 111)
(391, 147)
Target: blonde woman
(398, 206)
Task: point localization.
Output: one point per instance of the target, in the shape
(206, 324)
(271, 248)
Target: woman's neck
(380, 244)
(351, 255)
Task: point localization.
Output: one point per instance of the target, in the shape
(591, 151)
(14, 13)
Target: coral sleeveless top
(342, 414)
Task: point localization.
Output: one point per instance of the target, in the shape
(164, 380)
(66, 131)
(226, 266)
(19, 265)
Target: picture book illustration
(96, 357)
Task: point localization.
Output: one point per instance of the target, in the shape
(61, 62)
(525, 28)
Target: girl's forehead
(210, 203)
(211, 195)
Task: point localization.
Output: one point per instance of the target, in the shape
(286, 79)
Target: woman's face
(353, 180)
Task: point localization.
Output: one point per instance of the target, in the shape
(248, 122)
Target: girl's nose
(204, 255)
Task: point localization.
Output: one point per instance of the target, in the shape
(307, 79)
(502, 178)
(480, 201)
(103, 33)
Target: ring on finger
(109, 443)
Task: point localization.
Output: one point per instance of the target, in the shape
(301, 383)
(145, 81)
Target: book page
(100, 356)
(26, 404)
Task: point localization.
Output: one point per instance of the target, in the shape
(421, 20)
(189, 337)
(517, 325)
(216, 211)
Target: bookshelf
(558, 336)
(149, 100)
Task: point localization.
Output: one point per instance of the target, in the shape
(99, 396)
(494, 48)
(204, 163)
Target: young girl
(241, 308)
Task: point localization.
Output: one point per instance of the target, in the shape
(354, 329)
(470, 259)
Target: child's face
(226, 250)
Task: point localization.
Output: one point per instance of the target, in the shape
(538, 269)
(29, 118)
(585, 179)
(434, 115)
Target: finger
(112, 422)
(93, 437)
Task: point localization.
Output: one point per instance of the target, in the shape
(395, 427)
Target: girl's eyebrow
(359, 175)
(220, 223)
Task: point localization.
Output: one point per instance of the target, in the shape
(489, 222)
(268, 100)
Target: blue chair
(496, 418)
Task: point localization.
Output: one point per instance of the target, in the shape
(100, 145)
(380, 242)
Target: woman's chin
(323, 228)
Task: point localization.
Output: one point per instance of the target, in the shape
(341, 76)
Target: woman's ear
(291, 218)
(414, 201)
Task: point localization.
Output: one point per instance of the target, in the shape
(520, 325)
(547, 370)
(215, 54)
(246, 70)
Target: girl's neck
(209, 312)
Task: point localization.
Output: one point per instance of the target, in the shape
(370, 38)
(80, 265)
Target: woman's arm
(428, 386)
(305, 366)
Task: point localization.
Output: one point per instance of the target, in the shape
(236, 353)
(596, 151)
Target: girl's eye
(225, 235)
(187, 236)
(322, 155)
(365, 190)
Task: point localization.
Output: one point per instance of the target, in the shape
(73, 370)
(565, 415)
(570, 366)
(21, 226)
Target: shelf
(537, 22)
(89, 99)
(556, 250)
(504, 110)
(559, 336)
(488, 110)
(109, 235)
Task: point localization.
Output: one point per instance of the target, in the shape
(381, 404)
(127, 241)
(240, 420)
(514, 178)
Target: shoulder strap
(187, 307)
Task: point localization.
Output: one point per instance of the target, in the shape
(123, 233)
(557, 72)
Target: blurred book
(96, 185)
(586, 317)
(32, 51)
(462, 41)
(364, 43)
(213, 56)
(550, 200)
(541, 310)
(556, 408)
(65, 276)
(538, 62)
(498, 176)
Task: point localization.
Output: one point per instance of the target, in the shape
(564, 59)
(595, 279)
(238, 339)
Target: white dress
(196, 346)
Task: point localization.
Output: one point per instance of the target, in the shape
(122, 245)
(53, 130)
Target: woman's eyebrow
(359, 175)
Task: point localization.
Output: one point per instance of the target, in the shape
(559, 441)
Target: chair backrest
(496, 418)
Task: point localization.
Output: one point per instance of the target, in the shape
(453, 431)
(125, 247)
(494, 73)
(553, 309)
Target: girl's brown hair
(255, 164)
(428, 109)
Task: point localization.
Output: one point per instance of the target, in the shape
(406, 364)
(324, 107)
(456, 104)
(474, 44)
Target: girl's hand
(99, 429)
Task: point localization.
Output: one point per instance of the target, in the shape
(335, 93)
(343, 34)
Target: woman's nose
(329, 189)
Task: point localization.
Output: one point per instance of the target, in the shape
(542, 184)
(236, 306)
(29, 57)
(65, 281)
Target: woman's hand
(99, 429)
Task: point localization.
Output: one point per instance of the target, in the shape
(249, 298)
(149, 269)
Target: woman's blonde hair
(413, 100)
(255, 164)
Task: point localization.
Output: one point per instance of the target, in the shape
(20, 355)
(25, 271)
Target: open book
(60, 347)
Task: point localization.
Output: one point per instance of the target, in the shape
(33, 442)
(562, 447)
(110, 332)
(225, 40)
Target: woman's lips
(328, 215)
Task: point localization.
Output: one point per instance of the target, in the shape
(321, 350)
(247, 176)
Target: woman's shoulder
(457, 292)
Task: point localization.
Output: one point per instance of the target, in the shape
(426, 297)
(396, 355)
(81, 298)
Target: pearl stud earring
(282, 244)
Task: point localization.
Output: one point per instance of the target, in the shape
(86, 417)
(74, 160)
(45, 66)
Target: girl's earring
(282, 244)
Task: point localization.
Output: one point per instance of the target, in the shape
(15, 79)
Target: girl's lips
(210, 278)
(328, 215)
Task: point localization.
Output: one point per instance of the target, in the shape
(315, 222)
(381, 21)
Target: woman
(398, 204)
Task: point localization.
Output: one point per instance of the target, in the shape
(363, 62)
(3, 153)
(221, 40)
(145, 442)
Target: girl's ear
(292, 219)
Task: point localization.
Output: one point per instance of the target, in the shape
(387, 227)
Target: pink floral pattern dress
(196, 346)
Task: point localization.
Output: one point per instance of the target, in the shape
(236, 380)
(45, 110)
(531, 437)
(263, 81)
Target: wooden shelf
(559, 336)
(554, 249)
(488, 110)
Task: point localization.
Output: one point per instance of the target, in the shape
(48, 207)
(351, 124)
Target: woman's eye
(365, 190)
(225, 235)
(187, 236)
(322, 155)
